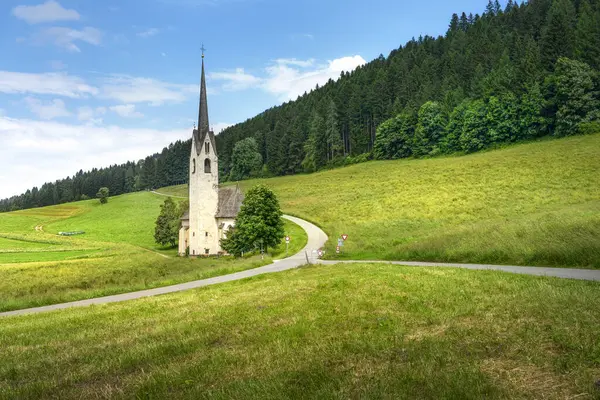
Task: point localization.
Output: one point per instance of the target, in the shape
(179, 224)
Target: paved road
(582, 274)
(316, 239)
(168, 195)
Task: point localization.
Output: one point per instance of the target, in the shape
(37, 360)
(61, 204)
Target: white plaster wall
(183, 240)
(204, 200)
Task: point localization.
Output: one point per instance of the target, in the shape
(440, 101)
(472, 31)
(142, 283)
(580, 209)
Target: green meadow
(116, 254)
(326, 332)
(330, 332)
(528, 204)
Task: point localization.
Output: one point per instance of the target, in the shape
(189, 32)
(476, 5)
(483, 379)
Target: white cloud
(148, 33)
(90, 115)
(66, 37)
(288, 78)
(298, 63)
(59, 84)
(220, 126)
(43, 151)
(126, 111)
(123, 88)
(55, 109)
(237, 80)
(128, 89)
(50, 11)
(287, 81)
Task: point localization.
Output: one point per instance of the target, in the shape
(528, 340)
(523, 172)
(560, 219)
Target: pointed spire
(203, 126)
(203, 131)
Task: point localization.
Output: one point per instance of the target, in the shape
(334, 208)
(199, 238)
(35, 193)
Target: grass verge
(115, 255)
(344, 331)
(528, 204)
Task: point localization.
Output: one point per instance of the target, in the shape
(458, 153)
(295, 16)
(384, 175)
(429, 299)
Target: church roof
(230, 203)
(203, 125)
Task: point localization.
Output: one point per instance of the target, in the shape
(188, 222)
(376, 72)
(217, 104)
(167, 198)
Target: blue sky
(86, 84)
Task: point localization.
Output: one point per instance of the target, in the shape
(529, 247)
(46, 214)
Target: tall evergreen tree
(334, 140)
(558, 35)
(587, 36)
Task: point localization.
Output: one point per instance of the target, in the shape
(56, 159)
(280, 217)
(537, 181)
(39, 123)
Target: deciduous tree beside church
(258, 225)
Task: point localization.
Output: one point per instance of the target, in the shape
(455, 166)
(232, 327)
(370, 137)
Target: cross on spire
(203, 50)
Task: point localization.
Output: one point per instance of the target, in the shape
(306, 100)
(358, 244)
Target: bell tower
(204, 182)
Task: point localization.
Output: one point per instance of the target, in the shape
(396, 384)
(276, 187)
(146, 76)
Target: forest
(517, 72)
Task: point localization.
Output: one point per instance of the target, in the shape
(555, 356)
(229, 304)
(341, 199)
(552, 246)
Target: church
(212, 209)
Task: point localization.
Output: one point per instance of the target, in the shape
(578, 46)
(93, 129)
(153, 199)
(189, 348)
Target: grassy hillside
(529, 204)
(345, 331)
(117, 253)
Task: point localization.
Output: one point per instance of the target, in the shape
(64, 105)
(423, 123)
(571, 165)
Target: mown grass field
(528, 204)
(344, 331)
(116, 254)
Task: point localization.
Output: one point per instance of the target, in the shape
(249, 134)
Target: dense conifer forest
(517, 72)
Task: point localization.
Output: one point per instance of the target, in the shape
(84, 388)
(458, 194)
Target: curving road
(316, 240)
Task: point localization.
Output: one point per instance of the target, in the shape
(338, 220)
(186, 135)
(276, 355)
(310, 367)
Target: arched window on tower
(207, 148)
(207, 166)
(193, 166)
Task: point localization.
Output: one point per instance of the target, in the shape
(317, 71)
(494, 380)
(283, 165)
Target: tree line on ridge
(514, 73)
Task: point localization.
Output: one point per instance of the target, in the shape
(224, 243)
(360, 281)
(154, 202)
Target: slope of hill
(345, 331)
(116, 254)
(513, 73)
(529, 204)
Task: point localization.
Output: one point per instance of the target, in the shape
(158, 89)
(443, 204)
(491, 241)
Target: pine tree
(129, 180)
(490, 9)
(245, 159)
(509, 6)
(502, 79)
(497, 7)
(334, 140)
(558, 34)
(454, 25)
(529, 65)
(587, 42)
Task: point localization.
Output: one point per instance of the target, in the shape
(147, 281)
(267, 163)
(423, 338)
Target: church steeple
(203, 126)
(203, 130)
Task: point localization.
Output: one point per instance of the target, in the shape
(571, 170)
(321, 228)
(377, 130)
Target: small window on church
(193, 166)
(207, 148)
(207, 166)
(206, 234)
